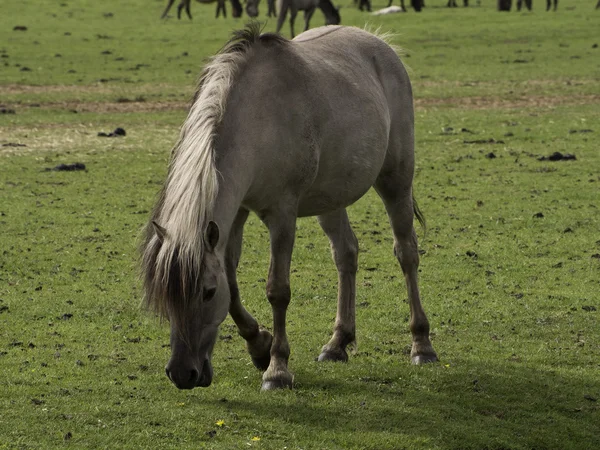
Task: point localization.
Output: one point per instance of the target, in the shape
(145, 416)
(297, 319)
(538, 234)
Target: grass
(509, 275)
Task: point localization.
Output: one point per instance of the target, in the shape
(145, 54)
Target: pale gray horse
(332, 14)
(336, 117)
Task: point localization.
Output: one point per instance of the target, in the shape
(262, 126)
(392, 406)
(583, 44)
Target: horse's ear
(211, 237)
(161, 232)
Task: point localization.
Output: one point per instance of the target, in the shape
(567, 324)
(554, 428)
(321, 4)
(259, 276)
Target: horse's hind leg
(344, 248)
(258, 341)
(396, 194)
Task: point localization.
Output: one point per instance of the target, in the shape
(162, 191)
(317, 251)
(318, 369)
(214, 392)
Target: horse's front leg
(258, 341)
(167, 9)
(344, 248)
(282, 229)
(221, 7)
(185, 3)
(293, 12)
(307, 15)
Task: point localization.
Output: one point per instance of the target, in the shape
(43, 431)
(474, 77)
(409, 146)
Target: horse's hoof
(337, 355)
(272, 385)
(424, 359)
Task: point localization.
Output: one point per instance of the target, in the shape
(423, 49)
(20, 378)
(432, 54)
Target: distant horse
(185, 4)
(416, 4)
(332, 14)
(285, 129)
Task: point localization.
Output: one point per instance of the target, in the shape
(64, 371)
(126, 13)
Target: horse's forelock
(171, 284)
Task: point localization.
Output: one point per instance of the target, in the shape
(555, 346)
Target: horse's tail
(419, 215)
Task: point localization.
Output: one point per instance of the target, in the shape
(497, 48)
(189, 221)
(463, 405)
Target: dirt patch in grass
(475, 102)
(118, 107)
(530, 101)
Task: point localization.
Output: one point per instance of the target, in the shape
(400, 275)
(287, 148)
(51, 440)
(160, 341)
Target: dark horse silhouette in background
(185, 4)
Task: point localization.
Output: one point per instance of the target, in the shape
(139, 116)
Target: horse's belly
(316, 203)
(339, 188)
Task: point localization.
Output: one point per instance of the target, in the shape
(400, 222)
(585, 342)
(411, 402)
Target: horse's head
(252, 7)
(197, 303)
(236, 6)
(332, 14)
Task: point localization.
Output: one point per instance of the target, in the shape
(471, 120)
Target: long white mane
(174, 238)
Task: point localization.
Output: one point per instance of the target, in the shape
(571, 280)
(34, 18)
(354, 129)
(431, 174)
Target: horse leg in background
(282, 231)
(221, 7)
(399, 205)
(293, 13)
(284, 5)
(184, 4)
(344, 248)
(167, 9)
(307, 15)
(258, 342)
(272, 12)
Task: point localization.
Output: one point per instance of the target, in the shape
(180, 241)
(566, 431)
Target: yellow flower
(255, 439)
(220, 423)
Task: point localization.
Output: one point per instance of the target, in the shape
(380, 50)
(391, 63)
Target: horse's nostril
(194, 374)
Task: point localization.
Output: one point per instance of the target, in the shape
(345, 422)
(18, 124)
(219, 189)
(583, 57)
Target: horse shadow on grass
(484, 405)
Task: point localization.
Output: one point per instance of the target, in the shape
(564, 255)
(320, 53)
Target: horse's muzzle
(189, 377)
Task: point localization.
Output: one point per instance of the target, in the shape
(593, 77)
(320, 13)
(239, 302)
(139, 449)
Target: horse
(185, 4)
(332, 14)
(416, 4)
(336, 117)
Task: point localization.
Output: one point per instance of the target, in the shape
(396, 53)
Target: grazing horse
(185, 4)
(335, 117)
(332, 14)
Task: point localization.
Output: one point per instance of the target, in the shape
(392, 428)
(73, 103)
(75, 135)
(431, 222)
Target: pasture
(510, 264)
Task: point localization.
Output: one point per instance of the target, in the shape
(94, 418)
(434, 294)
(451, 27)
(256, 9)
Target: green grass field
(510, 271)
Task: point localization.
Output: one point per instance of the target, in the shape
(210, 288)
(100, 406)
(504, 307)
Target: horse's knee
(278, 294)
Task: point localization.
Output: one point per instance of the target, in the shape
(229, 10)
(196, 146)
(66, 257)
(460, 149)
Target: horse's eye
(209, 293)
